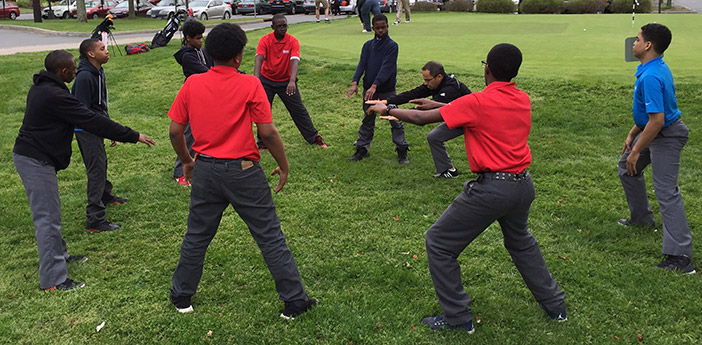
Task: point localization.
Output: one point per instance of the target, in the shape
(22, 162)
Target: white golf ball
(584, 29)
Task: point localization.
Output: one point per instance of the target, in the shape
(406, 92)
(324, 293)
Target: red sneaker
(182, 181)
(319, 142)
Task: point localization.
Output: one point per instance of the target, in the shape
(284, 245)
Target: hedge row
(559, 6)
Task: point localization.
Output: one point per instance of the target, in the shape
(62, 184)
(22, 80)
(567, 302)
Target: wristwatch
(390, 106)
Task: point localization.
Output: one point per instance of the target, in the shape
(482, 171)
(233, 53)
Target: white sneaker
(189, 309)
(365, 31)
(395, 23)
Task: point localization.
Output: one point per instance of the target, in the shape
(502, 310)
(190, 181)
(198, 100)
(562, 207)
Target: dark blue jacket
(378, 64)
(90, 88)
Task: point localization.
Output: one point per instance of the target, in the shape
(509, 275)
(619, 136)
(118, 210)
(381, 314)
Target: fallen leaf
(377, 326)
(220, 314)
(359, 254)
(209, 333)
(395, 218)
(414, 256)
(412, 327)
(616, 337)
(375, 239)
(100, 326)
(243, 286)
(564, 258)
(639, 336)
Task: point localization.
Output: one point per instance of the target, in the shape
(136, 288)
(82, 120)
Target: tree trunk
(132, 13)
(36, 5)
(81, 16)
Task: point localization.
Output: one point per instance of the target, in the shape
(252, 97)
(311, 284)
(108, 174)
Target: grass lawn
(121, 24)
(357, 229)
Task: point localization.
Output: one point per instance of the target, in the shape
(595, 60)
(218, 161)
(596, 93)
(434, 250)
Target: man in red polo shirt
(220, 105)
(496, 124)
(277, 62)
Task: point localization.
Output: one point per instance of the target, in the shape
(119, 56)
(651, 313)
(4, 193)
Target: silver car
(165, 8)
(210, 9)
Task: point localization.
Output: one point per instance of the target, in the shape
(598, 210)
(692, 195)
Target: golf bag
(105, 26)
(164, 36)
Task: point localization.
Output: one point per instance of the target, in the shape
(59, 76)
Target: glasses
(484, 63)
(429, 79)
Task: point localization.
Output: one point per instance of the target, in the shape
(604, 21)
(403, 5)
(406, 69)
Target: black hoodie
(193, 60)
(449, 90)
(90, 87)
(51, 114)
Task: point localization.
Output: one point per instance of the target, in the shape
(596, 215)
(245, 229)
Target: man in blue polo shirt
(657, 137)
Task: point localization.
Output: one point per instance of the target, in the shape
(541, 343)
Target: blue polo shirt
(654, 92)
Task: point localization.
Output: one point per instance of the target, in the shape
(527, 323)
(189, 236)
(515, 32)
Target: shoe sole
(189, 309)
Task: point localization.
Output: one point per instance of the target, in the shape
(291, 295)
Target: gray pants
(216, 184)
(294, 105)
(367, 129)
(403, 5)
(41, 186)
(436, 139)
(663, 154)
(189, 140)
(482, 202)
(92, 148)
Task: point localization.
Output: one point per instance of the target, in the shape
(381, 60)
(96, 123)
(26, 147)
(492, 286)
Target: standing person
(378, 65)
(496, 123)
(368, 7)
(193, 60)
(43, 147)
(443, 88)
(402, 5)
(657, 137)
(277, 63)
(324, 3)
(221, 105)
(90, 88)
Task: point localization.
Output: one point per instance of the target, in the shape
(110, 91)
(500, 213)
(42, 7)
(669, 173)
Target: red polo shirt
(496, 124)
(276, 65)
(221, 105)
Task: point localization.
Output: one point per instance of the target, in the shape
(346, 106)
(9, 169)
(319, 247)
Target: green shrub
(423, 6)
(458, 6)
(542, 6)
(585, 6)
(624, 6)
(496, 6)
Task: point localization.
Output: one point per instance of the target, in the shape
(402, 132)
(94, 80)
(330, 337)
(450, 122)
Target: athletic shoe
(72, 258)
(560, 317)
(67, 285)
(294, 309)
(182, 181)
(365, 31)
(628, 222)
(361, 153)
(438, 322)
(319, 142)
(102, 227)
(327, 21)
(677, 262)
(448, 173)
(406, 21)
(395, 23)
(317, 21)
(182, 304)
(115, 200)
(402, 155)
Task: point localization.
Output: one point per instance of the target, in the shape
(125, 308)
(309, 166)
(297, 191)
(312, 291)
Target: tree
(81, 15)
(132, 15)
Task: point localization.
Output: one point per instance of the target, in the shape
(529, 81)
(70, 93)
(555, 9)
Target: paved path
(695, 5)
(20, 39)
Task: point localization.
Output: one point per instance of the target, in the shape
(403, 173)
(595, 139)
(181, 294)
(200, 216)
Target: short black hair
(58, 59)
(225, 41)
(658, 34)
(86, 46)
(278, 16)
(435, 68)
(504, 60)
(379, 17)
(192, 28)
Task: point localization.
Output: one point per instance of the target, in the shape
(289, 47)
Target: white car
(210, 9)
(61, 10)
(165, 8)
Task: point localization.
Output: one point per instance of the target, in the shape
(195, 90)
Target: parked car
(247, 6)
(347, 6)
(309, 7)
(232, 4)
(122, 9)
(165, 8)
(96, 9)
(61, 10)
(8, 11)
(387, 6)
(210, 9)
(288, 6)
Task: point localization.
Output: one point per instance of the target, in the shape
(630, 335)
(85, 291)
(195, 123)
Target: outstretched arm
(417, 117)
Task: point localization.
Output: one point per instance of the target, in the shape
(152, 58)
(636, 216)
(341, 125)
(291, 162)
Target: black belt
(206, 158)
(503, 176)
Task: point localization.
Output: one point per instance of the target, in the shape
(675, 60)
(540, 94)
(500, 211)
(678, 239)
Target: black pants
(92, 148)
(293, 103)
(367, 129)
(216, 184)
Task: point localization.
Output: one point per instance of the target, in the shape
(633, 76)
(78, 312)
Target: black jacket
(90, 87)
(193, 60)
(51, 114)
(449, 89)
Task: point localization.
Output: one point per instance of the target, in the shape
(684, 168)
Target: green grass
(121, 24)
(354, 227)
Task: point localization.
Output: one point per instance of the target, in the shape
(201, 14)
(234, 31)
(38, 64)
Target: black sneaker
(72, 258)
(560, 317)
(182, 303)
(115, 200)
(102, 227)
(293, 309)
(628, 222)
(361, 153)
(447, 174)
(402, 155)
(67, 285)
(438, 322)
(675, 262)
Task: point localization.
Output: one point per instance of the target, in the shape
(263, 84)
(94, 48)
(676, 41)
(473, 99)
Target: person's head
(225, 42)
(653, 39)
(279, 24)
(380, 25)
(503, 63)
(95, 51)
(433, 74)
(192, 33)
(61, 63)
